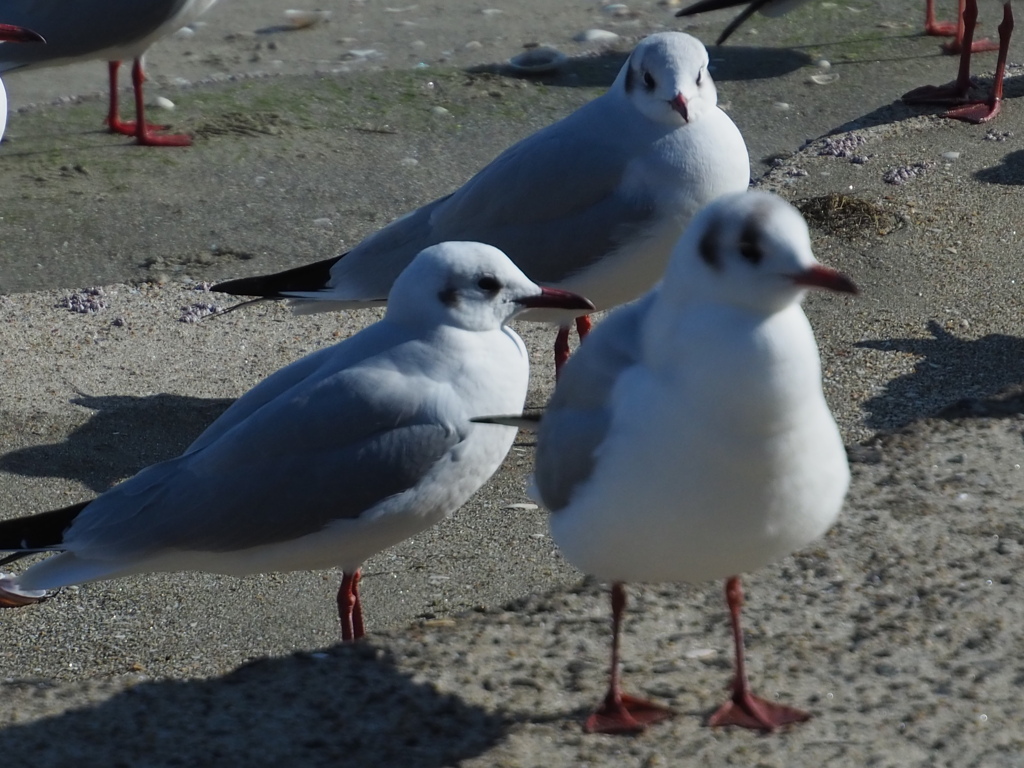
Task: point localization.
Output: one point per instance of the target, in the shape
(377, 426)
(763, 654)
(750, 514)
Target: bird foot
(976, 112)
(625, 714)
(147, 137)
(955, 46)
(12, 597)
(940, 29)
(749, 711)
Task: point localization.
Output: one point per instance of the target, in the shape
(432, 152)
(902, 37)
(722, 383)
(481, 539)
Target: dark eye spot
(649, 81)
(700, 76)
(749, 248)
(489, 283)
(708, 248)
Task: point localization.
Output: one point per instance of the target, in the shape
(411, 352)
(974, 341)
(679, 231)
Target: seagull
(972, 111)
(12, 34)
(329, 460)
(779, 7)
(591, 204)
(689, 438)
(109, 30)
(766, 7)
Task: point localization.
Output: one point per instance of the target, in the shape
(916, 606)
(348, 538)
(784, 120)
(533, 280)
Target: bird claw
(625, 714)
(748, 711)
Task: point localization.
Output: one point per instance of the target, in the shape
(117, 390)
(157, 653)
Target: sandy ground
(901, 630)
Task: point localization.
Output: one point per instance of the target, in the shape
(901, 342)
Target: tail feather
(309, 277)
(35, 533)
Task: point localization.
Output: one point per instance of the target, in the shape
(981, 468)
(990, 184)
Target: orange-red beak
(555, 298)
(679, 105)
(823, 277)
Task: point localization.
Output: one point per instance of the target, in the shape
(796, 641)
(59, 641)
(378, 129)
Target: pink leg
(936, 28)
(562, 351)
(744, 708)
(955, 92)
(956, 45)
(983, 111)
(619, 712)
(350, 610)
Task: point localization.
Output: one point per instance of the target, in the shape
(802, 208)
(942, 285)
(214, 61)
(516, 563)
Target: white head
(11, 34)
(471, 286)
(666, 78)
(752, 250)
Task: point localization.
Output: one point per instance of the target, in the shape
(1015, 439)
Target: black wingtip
(309, 277)
(38, 532)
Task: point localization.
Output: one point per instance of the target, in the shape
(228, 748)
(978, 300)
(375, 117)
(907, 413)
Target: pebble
(618, 10)
(185, 33)
(823, 79)
(473, 45)
(439, 111)
(951, 155)
(161, 102)
(301, 19)
(408, 162)
(595, 36)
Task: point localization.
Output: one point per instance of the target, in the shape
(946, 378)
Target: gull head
(472, 286)
(750, 249)
(666, 78)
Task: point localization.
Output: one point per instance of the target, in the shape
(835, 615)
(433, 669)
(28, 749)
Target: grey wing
(324, 454)
(73, 28)
(554, 202)
(576, 420)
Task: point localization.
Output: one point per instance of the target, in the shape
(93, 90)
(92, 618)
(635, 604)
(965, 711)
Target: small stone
(473, 45)
(595, 36)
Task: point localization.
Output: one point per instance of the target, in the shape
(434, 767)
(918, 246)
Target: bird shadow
(1009, 171)
(124, 435)
(600, 70)
(954, 378)
(345, 705)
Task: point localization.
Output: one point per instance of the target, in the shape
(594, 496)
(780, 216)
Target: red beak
(679, 105)
(822, 277)
(12, 34)
(556, 298)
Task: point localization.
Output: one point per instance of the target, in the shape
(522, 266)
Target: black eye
(749, 249)
(700, 76)
(489, 284)
(649, 81)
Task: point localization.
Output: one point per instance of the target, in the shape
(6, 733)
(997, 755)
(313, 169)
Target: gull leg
(955, 92)
(620, 712)
(983, 111)
(744, 708)
(350, 609)
(144, 135)
(956, 45)
(561, 348)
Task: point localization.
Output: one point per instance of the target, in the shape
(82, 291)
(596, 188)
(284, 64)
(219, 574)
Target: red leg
(936, 28)
(744, 708)
(955, 92)
(983, 111)
(583, 326)
(350, 609)
(114, 112)
(960, 36)
(561, 349)
(619, 712)
(144, 135)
